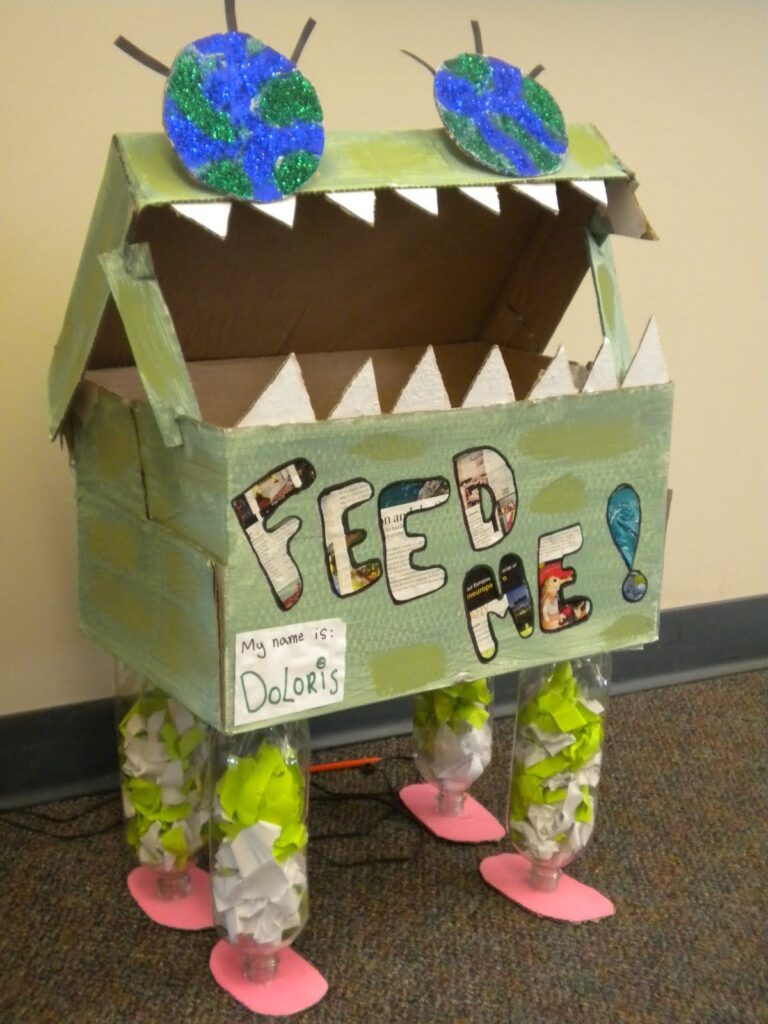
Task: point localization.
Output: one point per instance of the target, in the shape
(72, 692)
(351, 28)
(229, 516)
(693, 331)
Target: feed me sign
(383, 581)
(484, 479)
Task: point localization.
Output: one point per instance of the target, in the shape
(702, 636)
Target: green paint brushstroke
(388, 447)
(589, 442)
(564, 495)
(627, 629)
(406, 669)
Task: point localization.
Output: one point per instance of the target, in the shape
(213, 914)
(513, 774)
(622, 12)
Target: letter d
(254, 691)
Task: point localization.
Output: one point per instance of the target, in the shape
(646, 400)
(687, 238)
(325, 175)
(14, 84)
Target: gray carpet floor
(402, 925)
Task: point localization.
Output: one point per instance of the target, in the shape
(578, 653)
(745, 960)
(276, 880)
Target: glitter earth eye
(240, 116)
(503, 119)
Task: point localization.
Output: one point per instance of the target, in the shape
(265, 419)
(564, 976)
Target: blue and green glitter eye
(240, 116)
(498, 116)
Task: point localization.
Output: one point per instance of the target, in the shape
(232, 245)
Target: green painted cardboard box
(320, 459)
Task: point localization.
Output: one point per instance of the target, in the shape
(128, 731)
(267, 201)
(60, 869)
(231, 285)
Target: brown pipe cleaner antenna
(306, 32)
(141, 56)
(419, 60)
(230, 15)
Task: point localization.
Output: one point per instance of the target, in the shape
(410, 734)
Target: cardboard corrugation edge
(225, 695)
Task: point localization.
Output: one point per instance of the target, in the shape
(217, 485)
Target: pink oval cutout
(296, 986)
(191, 913)
(571, 901)
(474, 825)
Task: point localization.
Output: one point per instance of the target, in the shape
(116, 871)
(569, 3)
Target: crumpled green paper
(452, 706)
(556, 708)
(264, 788)
(177, 834)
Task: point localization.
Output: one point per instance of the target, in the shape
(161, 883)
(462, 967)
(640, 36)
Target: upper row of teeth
(362, 204)
(286, 400)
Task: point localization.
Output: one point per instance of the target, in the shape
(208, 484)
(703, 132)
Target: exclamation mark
(623, 515)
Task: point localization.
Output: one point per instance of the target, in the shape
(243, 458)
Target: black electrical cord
(392, 809)
(62, 818)
(10, 818)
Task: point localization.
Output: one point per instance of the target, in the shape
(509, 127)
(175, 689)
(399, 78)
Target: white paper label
(287, 669)
(554, 546)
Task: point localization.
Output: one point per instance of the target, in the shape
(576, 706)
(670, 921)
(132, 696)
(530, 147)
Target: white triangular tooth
(486, 195)
(425, 390)
(214, 217)
(283, 210)
(544, 192)
(649, 365)
(360, 204)
(492, 385)
(602, 375)
(360, 397)
(284, 400)
(556, 379)
(425, 198)
(595, 189)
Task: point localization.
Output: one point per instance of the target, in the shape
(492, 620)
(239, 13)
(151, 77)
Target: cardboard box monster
(320, 459)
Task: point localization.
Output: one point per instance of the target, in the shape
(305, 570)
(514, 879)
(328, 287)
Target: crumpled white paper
(459, 756)
(545, 822)
(145, 756)
(535, 745)
(253, 893)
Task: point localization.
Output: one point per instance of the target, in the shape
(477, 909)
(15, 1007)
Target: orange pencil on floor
(335, 766)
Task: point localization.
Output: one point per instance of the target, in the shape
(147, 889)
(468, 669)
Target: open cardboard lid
(499, 262)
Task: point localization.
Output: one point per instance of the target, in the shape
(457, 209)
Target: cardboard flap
(152, 337)
(109, 226)
(608, 297)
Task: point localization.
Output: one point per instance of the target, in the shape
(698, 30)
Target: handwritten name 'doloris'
(485, 483)
(294, 687)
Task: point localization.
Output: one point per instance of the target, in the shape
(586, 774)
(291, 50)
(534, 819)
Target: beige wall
(679, 89)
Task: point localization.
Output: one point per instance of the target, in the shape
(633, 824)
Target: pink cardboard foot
(571, 901)
(190, 913)
(473, 825)
(296, 985)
